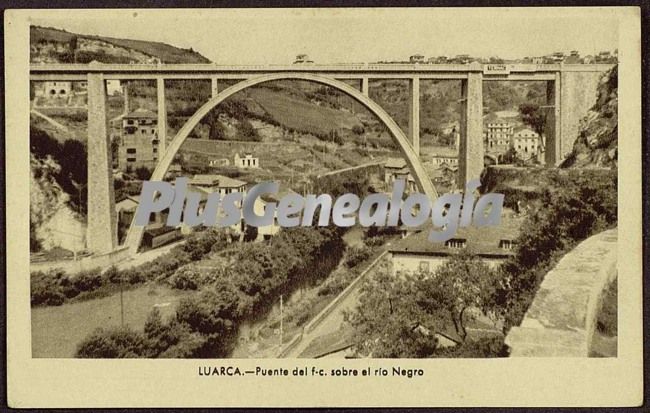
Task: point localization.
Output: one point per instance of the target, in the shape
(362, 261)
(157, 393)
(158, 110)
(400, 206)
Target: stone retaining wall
(561, 320)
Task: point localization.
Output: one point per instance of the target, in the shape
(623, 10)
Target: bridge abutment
(102, 221)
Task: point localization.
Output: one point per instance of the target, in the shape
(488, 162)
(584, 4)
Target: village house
(416, 58)
(526, 143)
(207, 184)
(445, 156)
(57, 89)
(302, 58)
(218, 183)
(493, 244)
(156, 233)
(498, 136)
(248, 161)
(139, 141)
(218, 162)
(396, 168)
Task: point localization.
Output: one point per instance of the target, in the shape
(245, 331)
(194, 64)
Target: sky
(276, 36)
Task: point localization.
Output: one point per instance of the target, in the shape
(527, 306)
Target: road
(330, 324)
(352, 168)
(147, 256)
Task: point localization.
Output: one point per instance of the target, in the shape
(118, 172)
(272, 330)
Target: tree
(533, 116)
(510, 156)
(248, 132)
(142, 173)
(250, 233)
(387, 322)
(463, 282)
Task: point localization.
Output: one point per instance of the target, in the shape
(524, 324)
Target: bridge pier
(414, 114)
(364, 86)
(470, 152)
(553, 127)
(162, 118)
(101, 235)
(214, 82)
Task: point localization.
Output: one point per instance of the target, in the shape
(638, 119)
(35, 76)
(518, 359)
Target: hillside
(597, 142)
(55, 45)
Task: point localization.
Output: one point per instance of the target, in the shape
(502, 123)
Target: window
(456, 243)
(130, 150)
(423, 266)
(506, 244)
(155, 150)
(154, 142)
(130, 159)
(129, 122)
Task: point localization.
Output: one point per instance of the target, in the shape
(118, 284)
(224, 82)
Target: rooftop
(141, 114)
(396, 163)
(480, 240)
(219, 181)
(445, 152)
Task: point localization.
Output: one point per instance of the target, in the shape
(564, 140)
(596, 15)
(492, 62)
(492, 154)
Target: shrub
(356, 255)
(186, 278)
(358, 129)
(87, 280)
(120, 342)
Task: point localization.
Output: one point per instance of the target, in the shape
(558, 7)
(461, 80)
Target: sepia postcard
(324, 207)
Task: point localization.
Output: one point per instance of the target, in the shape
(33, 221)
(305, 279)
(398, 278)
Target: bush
(143, 173)
(356, 255)
(358, 129)
(87, 280)
(120, 342)
(186, 278)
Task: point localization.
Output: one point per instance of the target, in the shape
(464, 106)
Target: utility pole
(281, 326)
(121, 301)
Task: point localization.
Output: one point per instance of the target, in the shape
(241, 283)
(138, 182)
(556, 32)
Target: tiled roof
(140, 114)
(479, 240)
(396, 163)
(277, 197)
(219, 181)
(445, 152)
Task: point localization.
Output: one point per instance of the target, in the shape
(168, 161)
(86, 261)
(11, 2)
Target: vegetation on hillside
(71, 157)
(572, 208)
(398, 316)
(206, 324)
(166, 53)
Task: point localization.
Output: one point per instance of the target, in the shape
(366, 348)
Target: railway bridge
(571, 91)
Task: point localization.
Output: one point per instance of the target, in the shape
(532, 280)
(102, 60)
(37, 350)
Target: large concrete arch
(425, 185)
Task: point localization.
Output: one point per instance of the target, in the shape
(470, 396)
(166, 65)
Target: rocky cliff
(597, 143)
(52, 222)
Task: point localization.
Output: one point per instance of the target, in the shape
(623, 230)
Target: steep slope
(52, 222)
(597, 142)
(55, 45)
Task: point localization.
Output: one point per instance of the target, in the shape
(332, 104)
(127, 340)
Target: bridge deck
(71, 72)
